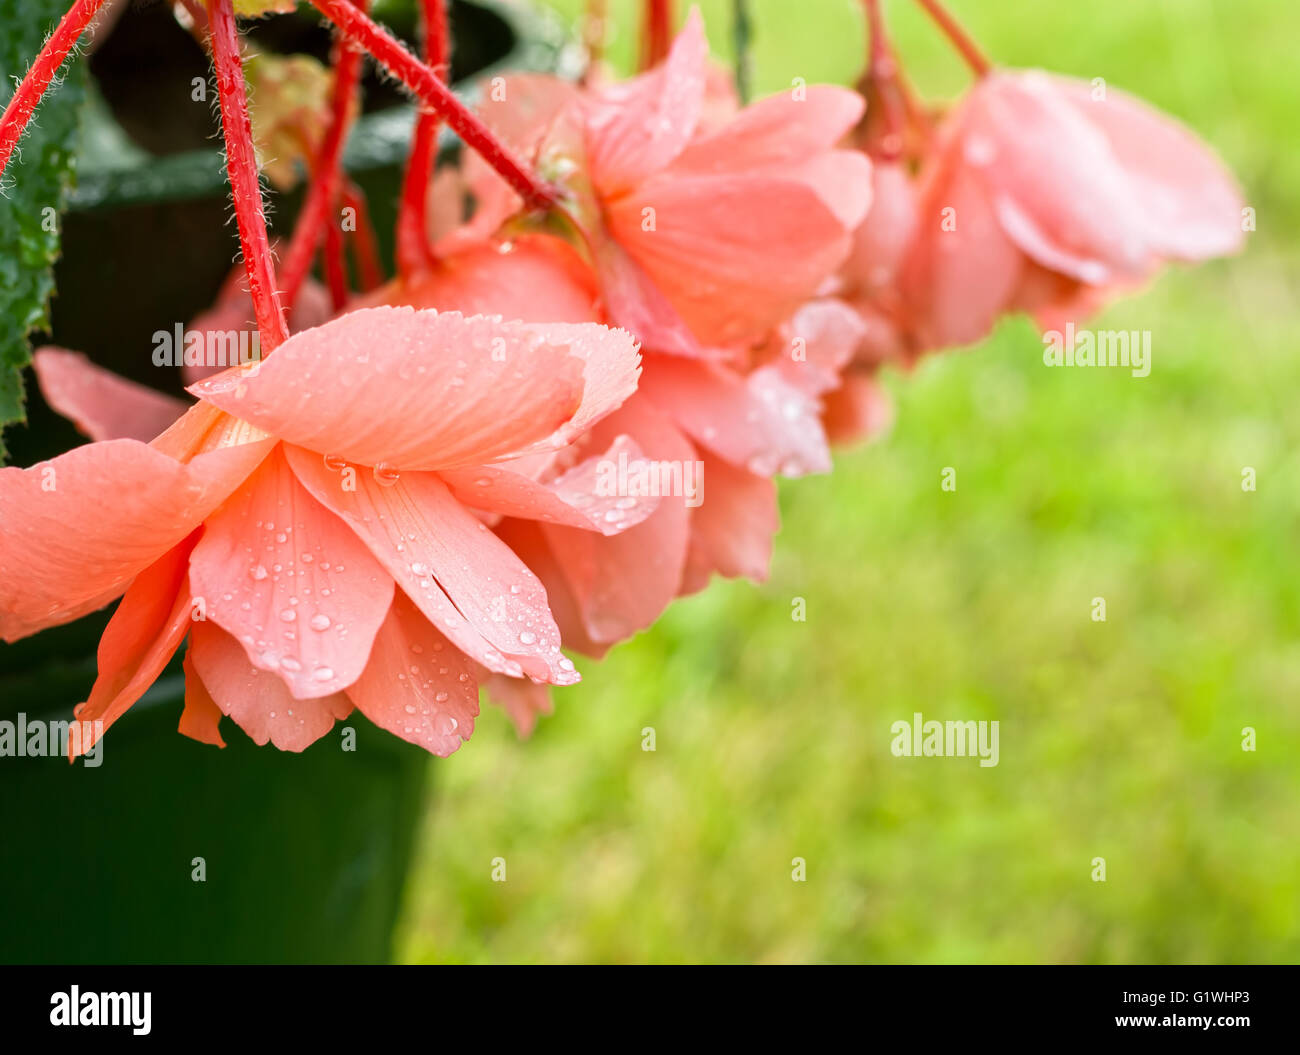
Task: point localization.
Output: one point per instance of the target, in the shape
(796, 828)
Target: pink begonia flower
(1048, 197)
(858, 407)
(308, 523)
(702, 237)
(752, 216)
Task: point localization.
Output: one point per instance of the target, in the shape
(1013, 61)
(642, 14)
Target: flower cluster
(631, 307)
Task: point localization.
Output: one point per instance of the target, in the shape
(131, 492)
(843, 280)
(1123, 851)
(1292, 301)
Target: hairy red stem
(323, 191)
(18, 113)
(336, 272)
(245, 186)
(365, 246)
(960, 39)
(424, 83)
(413, 251)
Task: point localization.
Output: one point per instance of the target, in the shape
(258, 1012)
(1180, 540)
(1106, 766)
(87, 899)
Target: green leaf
(35, 192)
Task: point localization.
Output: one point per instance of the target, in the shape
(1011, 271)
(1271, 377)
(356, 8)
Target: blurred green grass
(1119, 740)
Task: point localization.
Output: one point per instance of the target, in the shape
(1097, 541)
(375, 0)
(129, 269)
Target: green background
(1119, 740)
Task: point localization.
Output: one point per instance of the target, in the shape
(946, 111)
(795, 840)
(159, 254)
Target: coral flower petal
(857, 410)
(637, 127)
(633, 301)
(735, 254)
(523, 700)
(622, 584)
(76, 529)
(146, 630)
(292, 582)
(102, 405)
(523, 105)
(537, 277)
(525, 538)
(1191, 202)
(759, 421)
(786, 136)
(779, 130)
(437, 551)
(962, 269)
(415, 389)
(826, 333)
(576, 498)
(732, 531)
(259, 702)
(201, 718)
(1024, 141)
(417, 685)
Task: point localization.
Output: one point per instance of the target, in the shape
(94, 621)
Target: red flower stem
(413, 252)
(323, 192)
(884, 78)
(959, 38)
(656, 32)
(365, 246)
(424, 83)
(245, 186)
(19, 112)
(336, 273)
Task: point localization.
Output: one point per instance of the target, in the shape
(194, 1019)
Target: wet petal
(635, 128)
(439, 552)
(962, 270)
(733, 530)
(102, 405)
(418, 685)
(292, 583)
(622, 584)
(76, 529)
(585, 497)
(523, 700)
(201, 719)
(259, 702)
(417, 389)
(759, 421)
(146, 630)
(734, 254)
(1189, 200)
